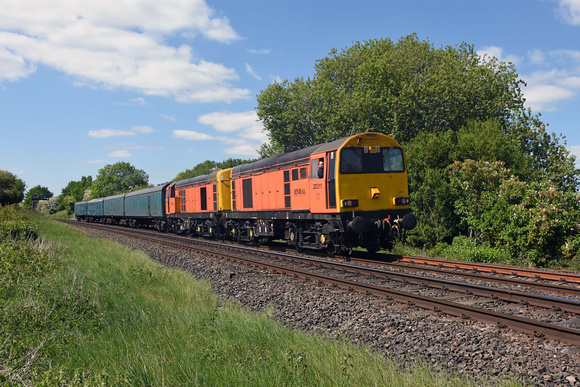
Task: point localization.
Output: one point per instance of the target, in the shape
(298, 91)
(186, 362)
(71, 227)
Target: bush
(18, 230)
(462, 249)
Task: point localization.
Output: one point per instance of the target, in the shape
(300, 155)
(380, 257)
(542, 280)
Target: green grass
(93, 312)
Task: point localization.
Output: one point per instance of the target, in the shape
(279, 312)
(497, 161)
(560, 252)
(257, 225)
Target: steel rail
(501, 320)
(571, 291)
(522, 272)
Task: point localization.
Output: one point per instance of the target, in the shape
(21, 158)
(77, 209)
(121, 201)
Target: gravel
(402, 333)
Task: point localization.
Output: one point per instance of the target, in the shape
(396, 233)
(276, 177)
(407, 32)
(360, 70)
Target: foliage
(462, 249)
(17, 230)
(532, 220)
(117, 178)
(73, 192)
(37, 192)
(11, 188)
(208, 166)
(400, 89)
(429, 156)
(292, 115)
(545, 153)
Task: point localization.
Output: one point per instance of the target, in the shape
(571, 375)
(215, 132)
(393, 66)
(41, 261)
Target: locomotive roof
(197, 179)
(290, 158)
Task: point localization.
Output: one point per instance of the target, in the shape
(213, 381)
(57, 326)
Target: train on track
(334, 196)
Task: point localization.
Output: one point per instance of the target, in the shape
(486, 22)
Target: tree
(400, 89)
(117, 178)
(76, 189)
(292, 115)
(11, 188)
(534, 221)
(37, 192)
(73, 192)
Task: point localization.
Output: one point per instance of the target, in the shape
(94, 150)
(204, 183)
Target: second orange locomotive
(348, 192)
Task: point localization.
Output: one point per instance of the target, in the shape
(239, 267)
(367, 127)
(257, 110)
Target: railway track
(467, 301)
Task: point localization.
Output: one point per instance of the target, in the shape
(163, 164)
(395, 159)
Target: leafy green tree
(76, 189)
(117, 178)
(291, 112)
(73, 192)
(429, 156)
(11, 188)
(535, 221)
(37, 192)
(401, 89)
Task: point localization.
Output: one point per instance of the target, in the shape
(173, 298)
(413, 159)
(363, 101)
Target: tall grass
(101, 313)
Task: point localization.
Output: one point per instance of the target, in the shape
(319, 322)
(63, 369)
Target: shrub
(462, 249)
(18, 230)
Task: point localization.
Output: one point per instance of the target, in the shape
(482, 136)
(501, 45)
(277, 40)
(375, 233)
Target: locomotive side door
(331, 179)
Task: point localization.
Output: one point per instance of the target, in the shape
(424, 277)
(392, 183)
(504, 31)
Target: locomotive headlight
(401, 201)
(350, 203)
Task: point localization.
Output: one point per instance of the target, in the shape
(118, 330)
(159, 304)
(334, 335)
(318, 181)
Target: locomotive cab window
(356, 160)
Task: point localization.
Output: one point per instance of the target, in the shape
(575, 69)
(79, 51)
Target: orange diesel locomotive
(348, 192)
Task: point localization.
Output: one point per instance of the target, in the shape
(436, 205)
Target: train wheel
(331, 249)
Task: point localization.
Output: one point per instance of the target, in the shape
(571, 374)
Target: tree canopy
(37, 192)
(11, 188)
(400, 89)
(118, 178)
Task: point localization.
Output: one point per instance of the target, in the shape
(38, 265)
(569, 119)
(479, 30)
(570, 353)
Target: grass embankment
(78, 310)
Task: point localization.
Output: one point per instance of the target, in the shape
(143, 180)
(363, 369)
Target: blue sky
(168, 84)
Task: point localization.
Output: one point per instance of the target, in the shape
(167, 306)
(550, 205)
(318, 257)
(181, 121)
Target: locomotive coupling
(408, 222)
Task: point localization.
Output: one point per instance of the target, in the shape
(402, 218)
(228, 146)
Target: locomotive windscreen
(360, 160)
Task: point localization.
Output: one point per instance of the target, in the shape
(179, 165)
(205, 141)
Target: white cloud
(168, 117)
(119, 154)
(13, 67)
(104, 133)
(96, 161)
(142, 129)
(493, 51)
(192, 135)
(536, 56)
(244, 132)
(251, 71)
(230, 122)
(575, 150)
(263, 51)
(546, 88)
(543, 97)
(119, 44)
(245, 125)
(569, 11)
(243, 150)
